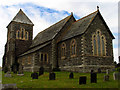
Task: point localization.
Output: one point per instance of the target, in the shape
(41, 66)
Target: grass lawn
(62, 81)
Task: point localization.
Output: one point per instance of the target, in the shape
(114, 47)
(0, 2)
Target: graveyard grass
(62, 81)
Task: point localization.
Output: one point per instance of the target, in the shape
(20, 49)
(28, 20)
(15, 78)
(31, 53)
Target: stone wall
(68, 60)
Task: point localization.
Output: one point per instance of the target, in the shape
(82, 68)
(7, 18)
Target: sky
(44, 13)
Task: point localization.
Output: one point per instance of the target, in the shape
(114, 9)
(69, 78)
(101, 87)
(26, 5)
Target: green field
(62, 81)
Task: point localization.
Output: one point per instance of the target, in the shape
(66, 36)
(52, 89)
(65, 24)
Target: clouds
(44, 13)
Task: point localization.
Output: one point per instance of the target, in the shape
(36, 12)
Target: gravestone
(93, 77)
(51, 76)
(91, 71)
(71, 75)
(34, 75)
(107, 71)
(41, 71)
(106, 77)
(116, 75)
(8, 74)
(82, 80)
(99, 70)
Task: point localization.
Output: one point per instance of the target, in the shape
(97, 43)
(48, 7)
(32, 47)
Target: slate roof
(81, 25)
(35, 49)
(21, 18)
(49, 33)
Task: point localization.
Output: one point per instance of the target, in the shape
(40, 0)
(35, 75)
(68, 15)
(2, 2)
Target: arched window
(22, 34)
(94, 45)
(26, 35)
(17, 34)
(73, 47)
(41, 58)
(103, 45)
(98, 41)
(63, 50)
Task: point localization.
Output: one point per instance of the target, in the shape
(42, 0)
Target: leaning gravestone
(116, 75)
(51, 76)
(93, 77)
(106, 77)
(82, 80)
(34, 75)
(71, 75)
(8, 74)
(41, 71)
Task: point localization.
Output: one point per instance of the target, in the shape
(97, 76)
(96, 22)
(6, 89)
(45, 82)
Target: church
(68, 45)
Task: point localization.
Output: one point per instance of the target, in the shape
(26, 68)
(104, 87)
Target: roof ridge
(52, 25)
(86, 16)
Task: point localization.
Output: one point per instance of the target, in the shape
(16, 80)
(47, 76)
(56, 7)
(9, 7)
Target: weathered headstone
(41, 71)
(106, 77)
(71, 75)
(91, 71)
(99, 70)
(34, 75)
(116, 75)
(82, 80)
(107, 71)
(93, 77)
(8, 74)
(51, 76)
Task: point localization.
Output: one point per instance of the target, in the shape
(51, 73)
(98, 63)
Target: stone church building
(68, 45)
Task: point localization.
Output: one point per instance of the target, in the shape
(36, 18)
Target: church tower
(19, 38)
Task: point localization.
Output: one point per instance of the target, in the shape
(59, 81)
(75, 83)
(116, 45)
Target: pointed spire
(71, 13)
(97, 7)
(21, 18)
